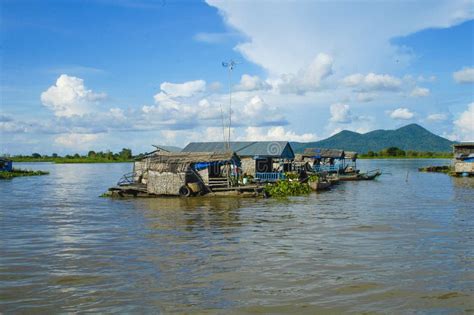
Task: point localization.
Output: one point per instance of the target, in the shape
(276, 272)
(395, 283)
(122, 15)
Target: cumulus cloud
(185, 89)
(75, 140)
(252, 83)
(276, 134)
(373, 82)
(308, 78)
(402, 114)
(351, 40)
(420, 92)
(340, 113)
(437, 117)
(465, 124)
(431, 78)
(258, 113)
(366, 96)
(465, 75)
(213, 38)
(70, 97)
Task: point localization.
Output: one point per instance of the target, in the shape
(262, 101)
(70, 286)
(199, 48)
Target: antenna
(230, 65)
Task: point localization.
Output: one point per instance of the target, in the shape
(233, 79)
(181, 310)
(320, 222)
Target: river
(403, 243)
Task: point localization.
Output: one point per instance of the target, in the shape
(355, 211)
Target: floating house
(183, 173)
(464, 158)
(330, 160)
(266, 161)
(325, 160)
(6, 165)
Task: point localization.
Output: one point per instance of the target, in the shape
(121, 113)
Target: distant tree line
(123, 156)
(394, 152)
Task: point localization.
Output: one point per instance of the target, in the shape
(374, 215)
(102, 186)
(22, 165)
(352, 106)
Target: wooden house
(181, 173)
(264, 160)
(464, 158)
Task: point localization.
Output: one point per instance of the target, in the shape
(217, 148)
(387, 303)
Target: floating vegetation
(20, 172)
(437, 169)
(287, 187)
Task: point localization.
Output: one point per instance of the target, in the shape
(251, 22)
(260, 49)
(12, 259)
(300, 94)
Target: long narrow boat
(361, 176)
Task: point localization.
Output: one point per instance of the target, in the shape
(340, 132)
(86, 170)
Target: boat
(361, 176)
(320, 185)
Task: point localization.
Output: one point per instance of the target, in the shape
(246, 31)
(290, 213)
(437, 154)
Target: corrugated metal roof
(324, 153)
(276, 149)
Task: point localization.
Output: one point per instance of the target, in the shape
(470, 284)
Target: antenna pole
(230, 66)
(230, 101)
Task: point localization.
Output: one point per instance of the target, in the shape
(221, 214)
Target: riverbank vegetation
(396, 153)
(92, 157)
(20, 172)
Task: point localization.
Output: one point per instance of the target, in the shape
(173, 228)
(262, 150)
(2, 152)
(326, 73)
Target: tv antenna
(230, 65)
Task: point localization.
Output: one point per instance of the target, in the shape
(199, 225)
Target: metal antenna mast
(230, 66)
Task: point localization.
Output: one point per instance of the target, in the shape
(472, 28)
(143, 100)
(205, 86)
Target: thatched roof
(191, 157)
(351, 155)
(323, 153)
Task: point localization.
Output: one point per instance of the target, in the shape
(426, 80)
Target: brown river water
(403, 243)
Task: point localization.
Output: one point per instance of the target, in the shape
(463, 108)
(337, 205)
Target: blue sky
(80, 75)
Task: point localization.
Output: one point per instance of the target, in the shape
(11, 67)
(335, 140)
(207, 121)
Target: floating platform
(140, 190)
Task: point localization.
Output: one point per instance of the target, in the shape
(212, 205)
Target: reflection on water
(400, 244)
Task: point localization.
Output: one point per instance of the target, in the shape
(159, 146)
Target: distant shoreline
(405, 158)
(69, 161)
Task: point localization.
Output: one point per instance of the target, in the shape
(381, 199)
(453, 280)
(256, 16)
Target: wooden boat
(320, 185)
(361, 176)
(334, 180)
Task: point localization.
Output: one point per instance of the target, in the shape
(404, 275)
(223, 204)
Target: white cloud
(340, 113)
(373, 82)
(366, 97)
(213, 38)
(437, 117)
(431, 78)
(402, 114)
(258, 113)
(70, 97)
(308, 78)
(465, 124)
(420, 92)
(359, 37)
(465, 75)
(252, 83)
(185, 89)
(275, 134)
(215, 86)
(76, 140)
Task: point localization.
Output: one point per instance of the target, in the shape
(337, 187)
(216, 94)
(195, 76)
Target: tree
(91, 154)
(54, 155)
(125, 154)
(36, 155)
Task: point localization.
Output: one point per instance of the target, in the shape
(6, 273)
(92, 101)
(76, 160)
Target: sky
(103, 75)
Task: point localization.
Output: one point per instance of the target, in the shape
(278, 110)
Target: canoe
(320, 185)
(364, 176)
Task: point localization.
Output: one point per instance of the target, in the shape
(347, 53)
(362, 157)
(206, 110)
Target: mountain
(410, 137)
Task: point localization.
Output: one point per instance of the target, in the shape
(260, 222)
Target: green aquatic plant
(285, 188)
(16, 172)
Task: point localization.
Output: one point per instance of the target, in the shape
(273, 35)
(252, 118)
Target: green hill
(410, 137)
